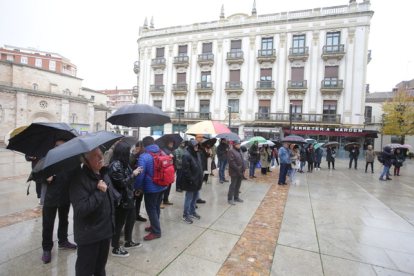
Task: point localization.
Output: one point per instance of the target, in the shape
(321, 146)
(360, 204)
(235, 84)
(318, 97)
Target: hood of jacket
(192, 151)
(387, 149)
(152, 148)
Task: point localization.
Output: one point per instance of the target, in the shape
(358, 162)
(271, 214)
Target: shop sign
(360, 130)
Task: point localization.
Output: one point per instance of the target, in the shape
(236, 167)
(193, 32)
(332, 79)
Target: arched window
(67, 91)
(35, 86)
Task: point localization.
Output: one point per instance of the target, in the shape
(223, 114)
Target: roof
(382, 96)
(91, 90)
(37, 51)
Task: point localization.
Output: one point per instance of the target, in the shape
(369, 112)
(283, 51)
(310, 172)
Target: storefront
(157, 130)
(273, 133)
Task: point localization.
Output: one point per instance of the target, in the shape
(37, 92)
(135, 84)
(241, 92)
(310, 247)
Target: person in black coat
(310, 157)
(38, 183)
(192, 180)
(353, 156)
(93, 214)
(302, 158)
(387, 155)
(330, 157)
(123, 178)
(222, 150)
(254, 157)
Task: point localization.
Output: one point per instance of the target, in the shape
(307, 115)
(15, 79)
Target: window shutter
(205, 73)
(158, 79)
(181, 77)
(207, 47)
(296, 102)
(329, 102)
(297, 73)
(179, 103)
(264, 103)
(160, 52)
(204, 102)
(236, 44)
(266, 72)
(331, 72)
(234, 75)
(182, 49)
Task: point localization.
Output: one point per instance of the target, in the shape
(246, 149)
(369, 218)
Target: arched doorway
(42, 117)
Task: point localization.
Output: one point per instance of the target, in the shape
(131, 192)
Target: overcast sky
(100, 36)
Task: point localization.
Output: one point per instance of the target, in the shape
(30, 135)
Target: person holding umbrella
(399, 160)
(265, 157)
(204, 156)
(353, 156)
(318, 158)
(284, 156)
(330, 157)
(236, 172)
(222, 150)
(182, 149)
(169, 150)
(310, 157)
(253, 158)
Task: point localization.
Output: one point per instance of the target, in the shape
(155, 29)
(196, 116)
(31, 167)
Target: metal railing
(136, 64)
(206, 57)
(157, 87)
(298, 117)
(332, 83)
(328, 49)
(158, 61)
(235, 55)
(204, 85)
(180, 87)
(297, 84)
(181, 59)
(234, 85)
(189, 115)
(299, 51)
(265, 84)
(267, 53)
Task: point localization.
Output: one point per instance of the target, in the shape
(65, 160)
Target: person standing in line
(236, 172)
(318, 158)
(169, 150)
(245, 158)
(38, 183)
(193, 174)
(222, 150)
(108, 154)
(204, 156)
(284, 162)
(353, 156)
(209, 169)
(302, 158)
(275, 153)
(310, 157)
(265, 157)
(254, 158)
(179, 153)
(399, 160)
(123, 178)
(93, 214)
(387, 155)
(133, 163)
(295, 163)
(369, 158)
(213, 158)
(330, 157)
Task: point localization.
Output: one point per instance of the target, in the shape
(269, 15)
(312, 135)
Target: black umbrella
(164, 140)
(332, 144)
(139, 115)
(68, 154)
(130, 140)
(210, 142)
(278, 144)
(228, 136)
(293, 139)
(38, 138)
(350, 145)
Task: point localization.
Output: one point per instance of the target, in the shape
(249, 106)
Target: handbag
(400, 160)
(259, 165)
(213, 165)
(333, 155)
(117, 197)
(289, 167)
(269, 158)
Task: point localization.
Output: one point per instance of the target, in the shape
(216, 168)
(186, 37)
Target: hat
(243, 148)
(192, 143)
(236, 142)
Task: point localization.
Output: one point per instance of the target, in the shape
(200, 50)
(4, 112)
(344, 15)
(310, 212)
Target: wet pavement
(342, 222)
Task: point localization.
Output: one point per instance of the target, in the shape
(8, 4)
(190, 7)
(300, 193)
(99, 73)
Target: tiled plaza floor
(342, 222)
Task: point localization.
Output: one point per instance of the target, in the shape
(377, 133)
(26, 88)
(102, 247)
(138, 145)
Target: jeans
(48, 222)
(273, 161)
(152, 204)
(252, 168)
(386, 172)
(302, 164)
(292, 174)
(372, 166)
(190, 202)
(350, 161)
(121, 217)
(92, 258)
(179, 179)
(222, 169)
(283, 173)
(234, 187)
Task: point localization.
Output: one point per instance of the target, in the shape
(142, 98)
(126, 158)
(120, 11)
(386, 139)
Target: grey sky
(100, 36)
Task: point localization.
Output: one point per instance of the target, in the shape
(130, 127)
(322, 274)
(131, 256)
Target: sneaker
(168, 203)
(139, 218)
(162, 206)
(225, 180)
(382, 179)
(67, 246)
(231, 202)
(244, 178)
(200, 201)
(195, 216)
(119, 252)
(187, 219)
(132, 244)
(238, 200)
(148, 229)
(46, 257)
(151, 237)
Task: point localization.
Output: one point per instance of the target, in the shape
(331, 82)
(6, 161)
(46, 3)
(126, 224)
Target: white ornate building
(314, 59)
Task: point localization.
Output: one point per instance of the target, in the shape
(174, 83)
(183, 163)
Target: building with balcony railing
(260, 65)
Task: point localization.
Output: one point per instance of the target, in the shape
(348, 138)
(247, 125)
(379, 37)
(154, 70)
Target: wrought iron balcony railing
(235, 55)
(332, 49)
(158, 61)
(265, 84)
(181, 59)
(189, 115)
(297, 84)
(180, 87)
(328, 83)
(266, 53)
(299, 51)
(204, 85)
(234, 85)
(157, 88)
(298, 117)
(206, 57)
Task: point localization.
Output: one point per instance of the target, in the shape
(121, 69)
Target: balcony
(369, 57)
(206, 59)
(299, 118)
(188, 116)
(265, 88)
(157, 90)
(204, 89)
(234, 87)
(332, 87)
(136, 67)
(333, 51)
(235, 58)
(180, 89)
(298, 53)
(158, 63)
(296, 87)
(266, 56)
(181, 61)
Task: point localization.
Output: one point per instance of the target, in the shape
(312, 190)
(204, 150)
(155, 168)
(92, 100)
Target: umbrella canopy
(318, 145)
(332, 144)
(210, 142)
(406, 146)
(38, 138)
(269, 143)
(13, 133)
(139, 115)
(350, 145)
(278, 144)
(131, 140)
(68, 154)
(294, 139)
(208, 127)
(163, 141)
(259, 139)
(395, 146)
(228, 136)
(311, 141)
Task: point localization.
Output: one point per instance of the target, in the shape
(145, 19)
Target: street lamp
(179, 109)
(290, 118)
(229, 116)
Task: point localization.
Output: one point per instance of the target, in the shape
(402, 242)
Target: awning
(348, 132)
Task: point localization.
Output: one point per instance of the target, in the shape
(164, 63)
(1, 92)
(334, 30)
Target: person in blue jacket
(284, 162)
(318, 158)
(153, 193)
(388, 155)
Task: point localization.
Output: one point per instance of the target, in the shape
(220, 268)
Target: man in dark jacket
(192, 180)
(222, 150)
(353, 155)
(387, 155)
(254, 157)
(92, 199)
(236, 172)
(55, 198)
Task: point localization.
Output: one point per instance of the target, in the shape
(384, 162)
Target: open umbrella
(294, 139)
(163, 141)
(332, 144)
(208, 127)
(139, 115)
(68, 154)
(278, 144)
(210, 142)
(406, 146)
(311, 141)
(318, 145)
(258, 139)
(228, 136)
(38, 138)
(350, 145)
(130, 140)
(269, 143)
(395, 146)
